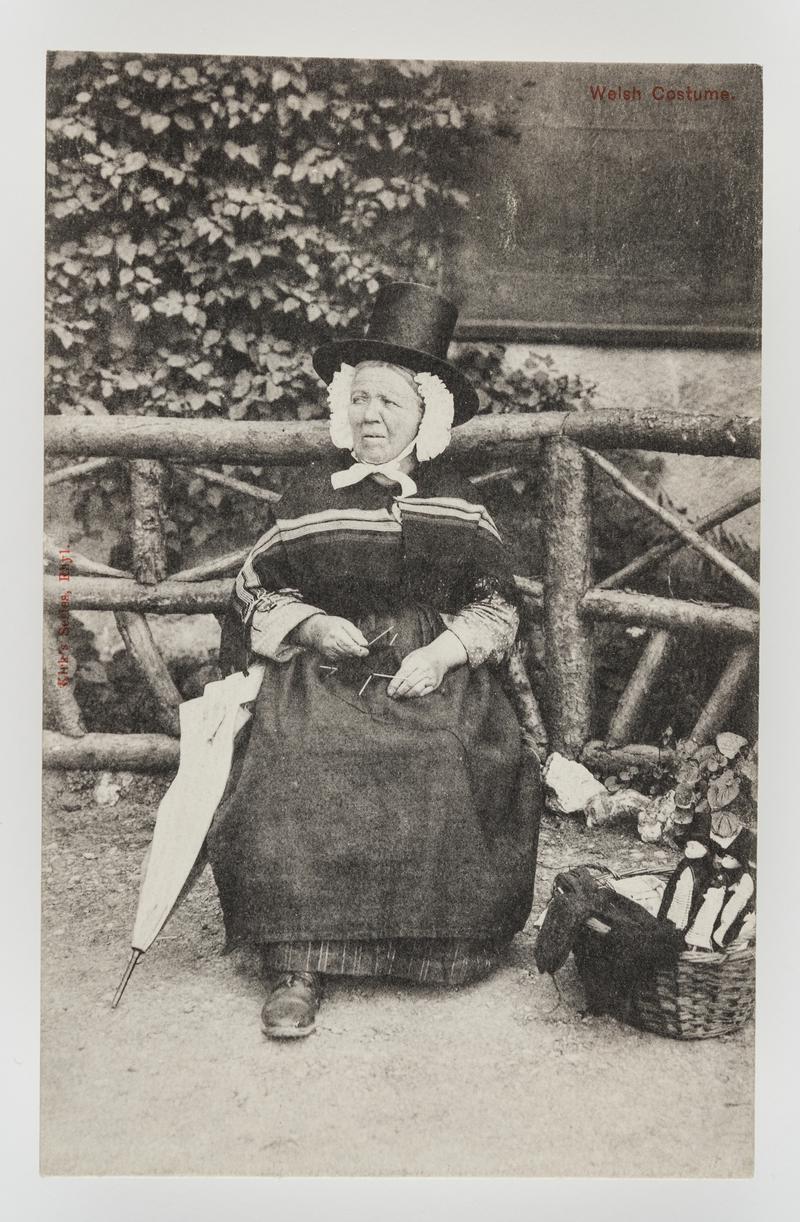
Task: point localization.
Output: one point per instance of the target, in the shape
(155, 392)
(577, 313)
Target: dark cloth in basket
(636, 945)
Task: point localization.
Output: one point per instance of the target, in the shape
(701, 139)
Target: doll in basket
(711, 894)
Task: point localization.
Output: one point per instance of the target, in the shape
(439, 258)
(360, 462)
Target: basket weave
(703, 995)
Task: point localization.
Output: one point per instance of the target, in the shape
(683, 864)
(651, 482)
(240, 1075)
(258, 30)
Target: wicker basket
(704, 994)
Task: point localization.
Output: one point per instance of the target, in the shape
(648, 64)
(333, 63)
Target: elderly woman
(381, 819)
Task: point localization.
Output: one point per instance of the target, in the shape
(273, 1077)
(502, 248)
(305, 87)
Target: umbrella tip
(126, 975)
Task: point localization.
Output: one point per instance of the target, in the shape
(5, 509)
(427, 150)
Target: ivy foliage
(211, 220)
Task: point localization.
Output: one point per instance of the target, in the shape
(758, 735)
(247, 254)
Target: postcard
(402, 435)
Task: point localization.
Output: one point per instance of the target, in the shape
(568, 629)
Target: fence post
(650, 668)
(149, 559)
(566, 522)
(724, 696)
(151, 667)
(147, 534)
(530, 718)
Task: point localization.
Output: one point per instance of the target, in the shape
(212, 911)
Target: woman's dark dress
(365, 834)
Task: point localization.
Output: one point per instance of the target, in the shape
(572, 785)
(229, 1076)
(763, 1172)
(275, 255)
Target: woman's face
(385, 413)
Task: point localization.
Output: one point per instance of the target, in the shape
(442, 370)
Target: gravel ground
(500, 1078)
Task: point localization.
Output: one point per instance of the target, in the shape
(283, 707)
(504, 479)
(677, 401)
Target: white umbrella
(209, 725)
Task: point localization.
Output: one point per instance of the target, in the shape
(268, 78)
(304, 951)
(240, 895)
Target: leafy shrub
(720, 779)
(213, 219)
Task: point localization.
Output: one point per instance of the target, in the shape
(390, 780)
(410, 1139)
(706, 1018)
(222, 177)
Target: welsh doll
(713, 888)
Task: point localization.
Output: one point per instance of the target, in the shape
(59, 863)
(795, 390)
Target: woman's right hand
(331, 637)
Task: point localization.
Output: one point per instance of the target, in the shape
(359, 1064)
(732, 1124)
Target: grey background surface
(614, 212)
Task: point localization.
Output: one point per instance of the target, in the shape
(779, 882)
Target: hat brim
(330, 357)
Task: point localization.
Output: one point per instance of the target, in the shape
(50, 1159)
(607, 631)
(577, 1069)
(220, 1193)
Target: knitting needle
(365, 684)
(380, 634)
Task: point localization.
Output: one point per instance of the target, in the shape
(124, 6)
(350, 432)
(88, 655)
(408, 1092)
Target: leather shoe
(291, 1007)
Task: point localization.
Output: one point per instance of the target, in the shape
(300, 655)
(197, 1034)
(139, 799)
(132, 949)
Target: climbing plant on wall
(212, 219)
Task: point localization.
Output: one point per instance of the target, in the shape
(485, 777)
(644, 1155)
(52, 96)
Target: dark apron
(360, 816)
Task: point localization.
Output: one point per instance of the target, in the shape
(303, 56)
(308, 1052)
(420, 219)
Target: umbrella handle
(126, 975)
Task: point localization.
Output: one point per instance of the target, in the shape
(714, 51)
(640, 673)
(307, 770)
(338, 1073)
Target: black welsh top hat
(412, 326)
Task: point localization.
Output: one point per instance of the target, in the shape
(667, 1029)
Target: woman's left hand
(421, 671)
(419, 675)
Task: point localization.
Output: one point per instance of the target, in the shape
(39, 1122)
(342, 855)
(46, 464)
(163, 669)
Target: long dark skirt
(358, 817)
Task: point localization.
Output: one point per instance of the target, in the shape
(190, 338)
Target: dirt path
(500, 1078)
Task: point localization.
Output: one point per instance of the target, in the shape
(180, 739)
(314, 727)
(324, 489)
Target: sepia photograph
(401, 631)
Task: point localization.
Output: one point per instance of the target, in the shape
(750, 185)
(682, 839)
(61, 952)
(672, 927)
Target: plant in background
(212, 220)
(532, 385)
(718, 780)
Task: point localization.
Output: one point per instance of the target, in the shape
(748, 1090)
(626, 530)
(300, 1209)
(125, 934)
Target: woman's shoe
(291, 1007)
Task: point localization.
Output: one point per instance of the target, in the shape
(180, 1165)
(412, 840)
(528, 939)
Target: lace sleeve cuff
(273, 619)
(486, 628)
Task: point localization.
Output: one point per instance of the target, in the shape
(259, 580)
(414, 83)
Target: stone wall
(676, 380)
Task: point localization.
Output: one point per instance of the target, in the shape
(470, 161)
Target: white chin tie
(360, 470)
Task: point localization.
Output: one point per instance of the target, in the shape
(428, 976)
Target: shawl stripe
(449, 507)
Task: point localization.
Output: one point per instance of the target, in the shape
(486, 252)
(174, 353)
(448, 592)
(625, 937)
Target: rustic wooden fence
(565, 600)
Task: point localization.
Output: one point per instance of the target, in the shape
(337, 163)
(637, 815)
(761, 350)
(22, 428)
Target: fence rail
(290, 443)
(566, 601)
(199, 597)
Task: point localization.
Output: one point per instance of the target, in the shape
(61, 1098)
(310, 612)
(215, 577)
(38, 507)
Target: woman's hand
(331, 637)
(422, 671)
